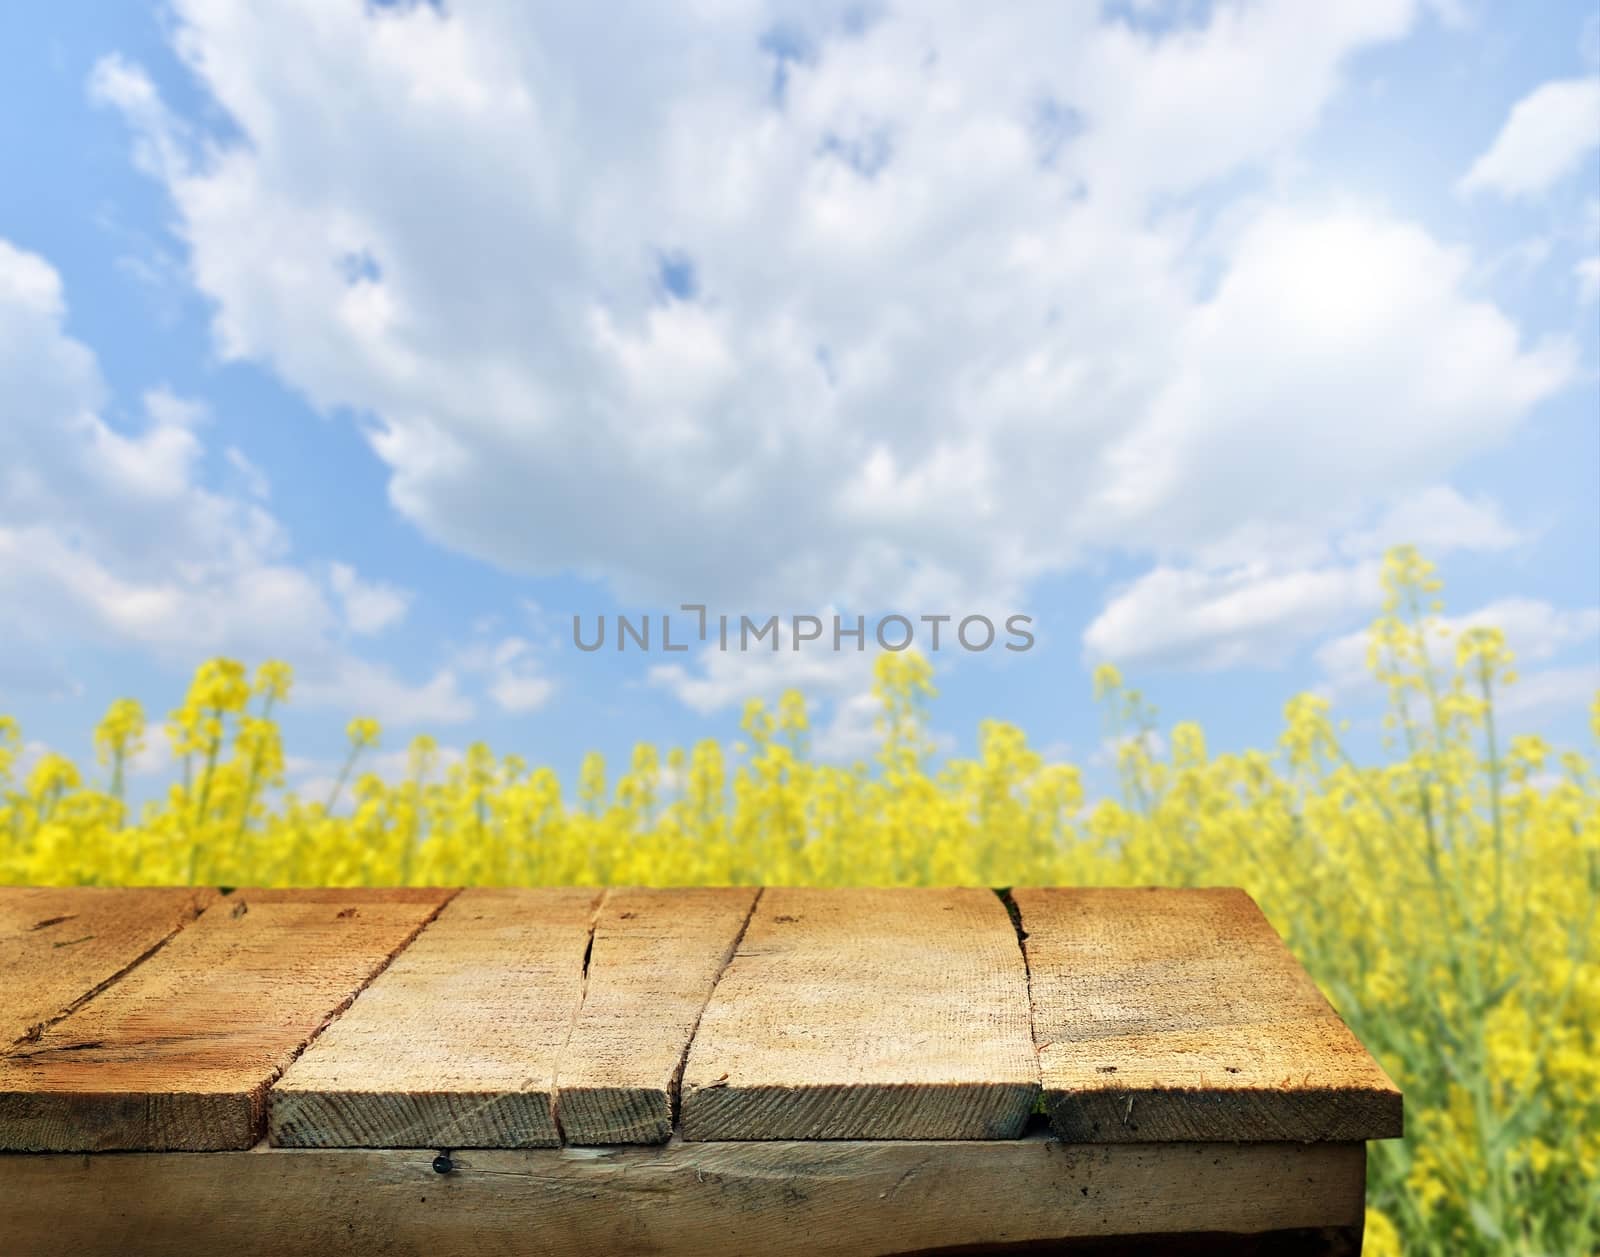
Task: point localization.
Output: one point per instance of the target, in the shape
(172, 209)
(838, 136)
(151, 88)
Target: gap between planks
(179, 1052)
(520, 1018)
(613, 1091)
(153, 918)
(377, 973)
(113, 1125)
(455, 1045)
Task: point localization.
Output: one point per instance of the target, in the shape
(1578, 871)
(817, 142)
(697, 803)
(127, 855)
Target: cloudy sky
(384, 339)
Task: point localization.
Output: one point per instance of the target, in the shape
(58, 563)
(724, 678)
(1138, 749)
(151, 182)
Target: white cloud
(28, 759)
(510, 669)
(363, 688)
(717, 680)
(1110, 749)
(1436, 520)
(1264, 409)
(1547, 135)
(1056, 751)
(923, 305)
(1240, 617)
(853, 733)
(1343, 661)
(314, 779)
(251, 478)
(1588, 273)
(837, 685)
(396, 765)
(167, 409)
(1535, 630)
(1454, 14)
(1555, 689)
(521, 694)
(155, 758)
(516, 681)
(369, 606)
(1259, 597)
(109, 535)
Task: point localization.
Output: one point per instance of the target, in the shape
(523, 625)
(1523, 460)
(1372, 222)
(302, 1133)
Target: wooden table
(571, 1071)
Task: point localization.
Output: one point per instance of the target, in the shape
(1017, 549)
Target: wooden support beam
(704, 1200)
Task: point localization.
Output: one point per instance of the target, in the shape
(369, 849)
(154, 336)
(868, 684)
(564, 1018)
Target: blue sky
(386, 340)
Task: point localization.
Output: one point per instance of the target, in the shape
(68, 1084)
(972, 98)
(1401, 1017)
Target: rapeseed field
(1445, 898)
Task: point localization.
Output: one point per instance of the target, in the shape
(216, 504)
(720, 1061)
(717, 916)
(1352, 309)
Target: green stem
(1497, 819)
(344, 776)
(205, 799)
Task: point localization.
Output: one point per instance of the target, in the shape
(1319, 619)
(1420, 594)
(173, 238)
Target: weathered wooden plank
(456, 1044)
(655, 959)
(180, 1051)
(719, 1200)
(1180, 1014)
(433, 896)
(60, 945)
(866, 1014)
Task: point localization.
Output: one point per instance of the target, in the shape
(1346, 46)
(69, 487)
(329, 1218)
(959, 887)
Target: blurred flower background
(1445, 898)
(355, 346)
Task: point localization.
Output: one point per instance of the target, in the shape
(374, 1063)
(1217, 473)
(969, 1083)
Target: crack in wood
(572, 1024)
(674, 1092)
(36, 1031)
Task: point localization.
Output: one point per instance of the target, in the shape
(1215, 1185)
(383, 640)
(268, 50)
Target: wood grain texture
(456, 1044)
(344, 896)
(179, 1052)
(60, 945)
(655, 958)
(716, 1200)
(1180, 1014)
(866, 1014)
